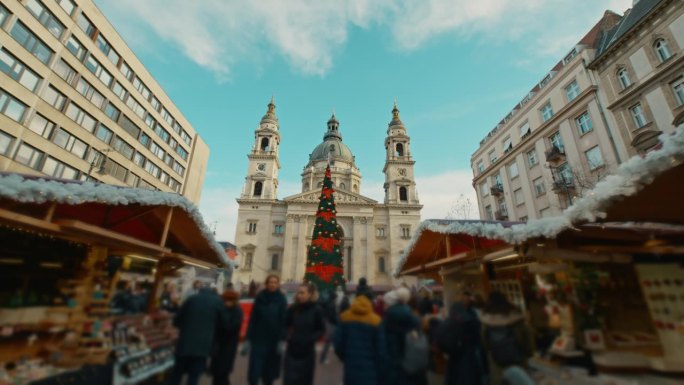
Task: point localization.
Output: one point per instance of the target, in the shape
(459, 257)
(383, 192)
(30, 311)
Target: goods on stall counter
(663, 288)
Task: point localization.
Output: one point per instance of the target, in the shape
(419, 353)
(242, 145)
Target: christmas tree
(324, 260)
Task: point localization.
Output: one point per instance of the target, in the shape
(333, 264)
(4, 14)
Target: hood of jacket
(361, 310)
(511, 318)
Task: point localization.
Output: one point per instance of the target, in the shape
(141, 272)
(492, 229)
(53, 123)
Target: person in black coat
(227, 340)
(359, 343)
(459, 338)
(266, 333)
(306, 325)
(397, 323)
(197, 320)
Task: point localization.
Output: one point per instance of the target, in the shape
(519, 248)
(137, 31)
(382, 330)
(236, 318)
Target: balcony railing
(563, 187)
(496, 190)
(501, 215)
(555, 154)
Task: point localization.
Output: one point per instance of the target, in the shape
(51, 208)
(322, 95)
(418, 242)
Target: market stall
(81, 270)
(601, 285)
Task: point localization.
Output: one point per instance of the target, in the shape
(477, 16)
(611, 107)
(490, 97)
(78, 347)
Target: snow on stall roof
(629, 178)
(32, 189)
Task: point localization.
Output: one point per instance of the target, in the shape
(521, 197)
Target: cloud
(438, 194)
(217, 34)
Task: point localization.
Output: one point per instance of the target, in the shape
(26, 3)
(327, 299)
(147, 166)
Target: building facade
(557, 142)
(273, 234)
(76, 103)
(640, 66)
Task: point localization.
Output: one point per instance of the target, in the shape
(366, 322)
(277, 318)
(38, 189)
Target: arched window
(258, 186)
(623, 76)
(332, 148)
(400, 149)
(343, 186)
(403, 194)
(381, 265)
(355, 188)
(275, 262)
(306, 186)
(248, 261)
(264, 144)
(662, 50)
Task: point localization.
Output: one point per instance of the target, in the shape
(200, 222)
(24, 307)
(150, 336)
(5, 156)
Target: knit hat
(230, 295)
(391, 298)
(403, 294)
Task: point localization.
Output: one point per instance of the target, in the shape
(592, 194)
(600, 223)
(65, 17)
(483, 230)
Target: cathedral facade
(273, 234)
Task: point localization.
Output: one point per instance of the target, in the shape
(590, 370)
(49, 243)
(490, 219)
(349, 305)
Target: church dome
(335, 147)
(332, 144)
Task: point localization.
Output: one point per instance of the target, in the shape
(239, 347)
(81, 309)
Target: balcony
(563, 187)
(501, 215)
(497, 190)
(555, 154)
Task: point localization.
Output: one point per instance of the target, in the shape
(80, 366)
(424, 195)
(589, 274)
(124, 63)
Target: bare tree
(571, 182)
(461, 209)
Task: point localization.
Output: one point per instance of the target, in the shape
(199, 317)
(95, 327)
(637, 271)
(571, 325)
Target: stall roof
(127, 219)
(437, 242)
(657, 175)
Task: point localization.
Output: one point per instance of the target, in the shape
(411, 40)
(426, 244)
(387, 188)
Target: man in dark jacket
(227, 340)
(359, 343)
(197, 320)
(397, 322)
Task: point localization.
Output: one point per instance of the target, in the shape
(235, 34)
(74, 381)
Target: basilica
(273, 234)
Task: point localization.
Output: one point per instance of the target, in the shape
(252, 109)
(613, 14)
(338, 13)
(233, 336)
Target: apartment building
(76, 103)
(640, 65)
(554, 144)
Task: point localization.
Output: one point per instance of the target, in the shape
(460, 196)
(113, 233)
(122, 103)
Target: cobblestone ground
(326, 374)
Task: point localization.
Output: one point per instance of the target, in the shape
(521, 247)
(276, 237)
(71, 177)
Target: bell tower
(400, 184)
(262, 172)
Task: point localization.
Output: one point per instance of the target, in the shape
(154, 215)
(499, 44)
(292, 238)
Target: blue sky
(456, 68)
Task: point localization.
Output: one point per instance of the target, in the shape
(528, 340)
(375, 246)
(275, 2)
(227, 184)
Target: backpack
(416, 353)
(503, 346)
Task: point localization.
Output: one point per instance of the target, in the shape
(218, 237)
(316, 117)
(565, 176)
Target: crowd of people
(391, 339)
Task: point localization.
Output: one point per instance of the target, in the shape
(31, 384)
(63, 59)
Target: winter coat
(516, 322)
(227, 340)
(306, 325)
(265, 330)
(459, 338)
(359, 343)
(197, 320)
(398, 321)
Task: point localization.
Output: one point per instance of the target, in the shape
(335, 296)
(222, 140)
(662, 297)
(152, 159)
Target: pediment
(341, 197)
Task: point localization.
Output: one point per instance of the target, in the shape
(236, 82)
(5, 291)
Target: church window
(381, 265)
(405, 231)
(248, 261)
(264, 144)
(356, 188)
(306, 186)
(380, 232)
(251, 227)
(400, 149)
(278, 228)
(332, 148)
(258, 186)
(343, 186)
(403, 194)
(275, 262)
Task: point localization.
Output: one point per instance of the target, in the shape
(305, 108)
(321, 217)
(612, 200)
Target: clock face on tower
(261, 166)
(401, 171)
